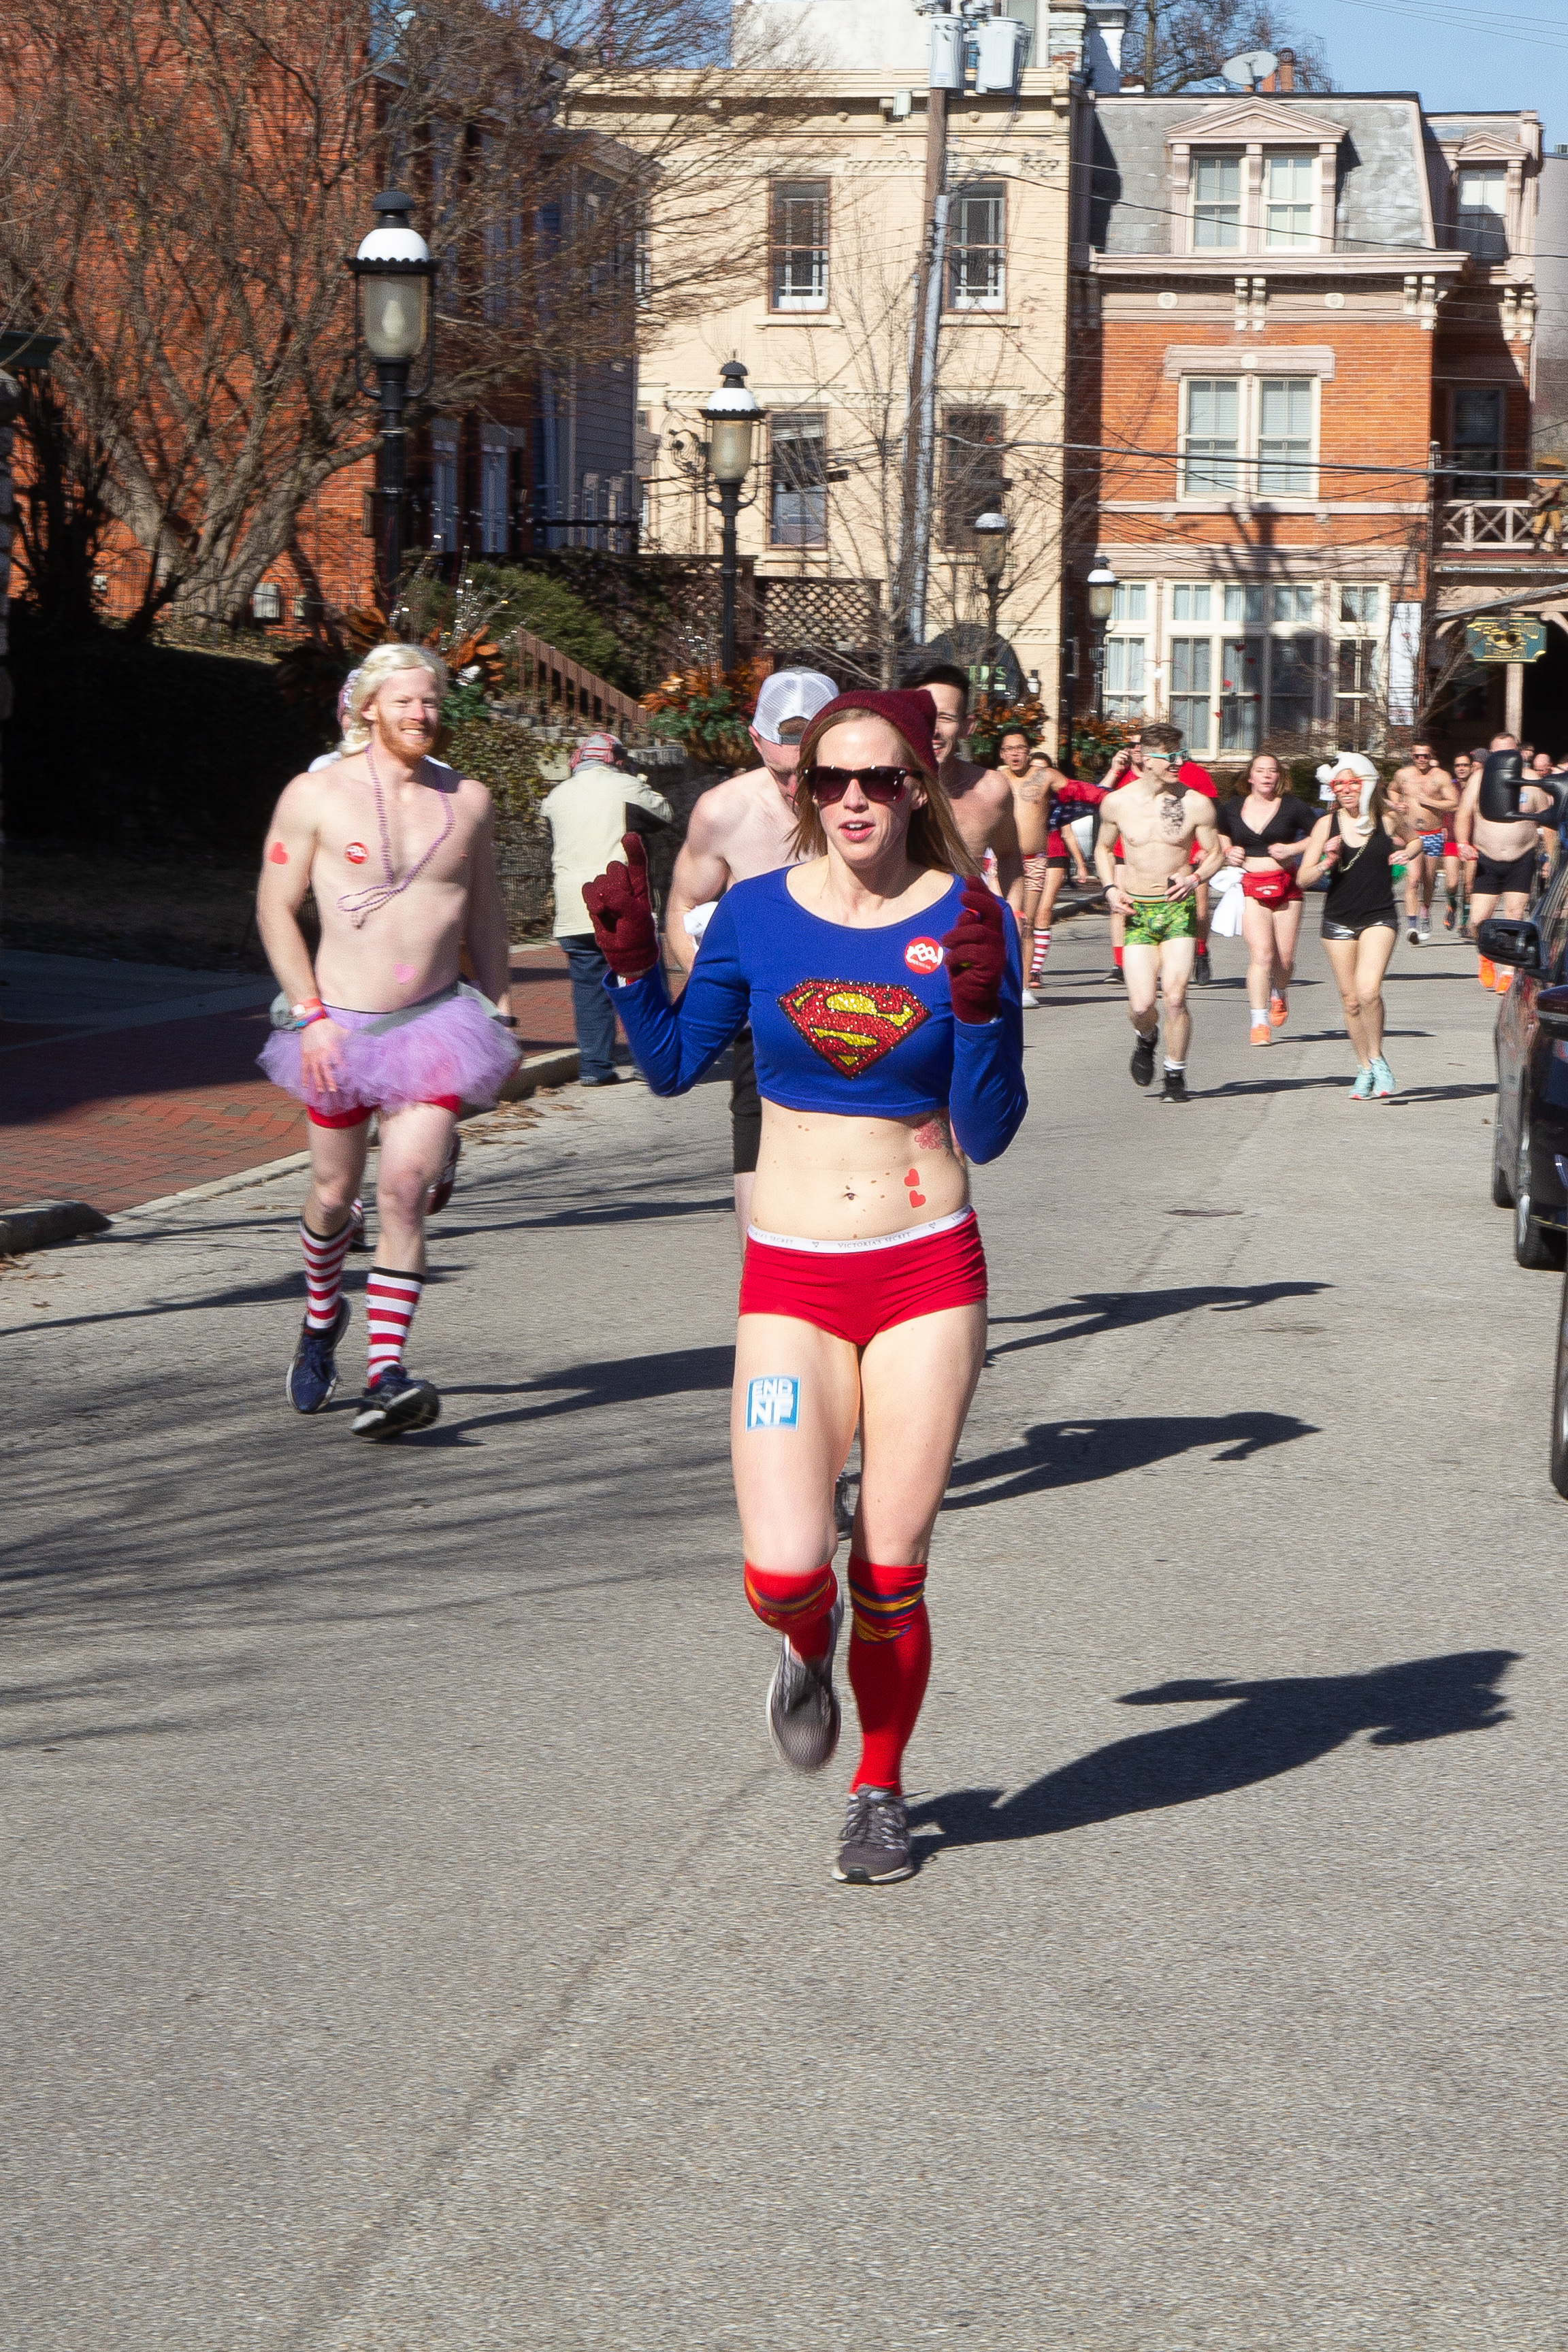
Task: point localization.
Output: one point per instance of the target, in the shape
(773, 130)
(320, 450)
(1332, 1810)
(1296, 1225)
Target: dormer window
(1287, 214)
(1216, 203)
(1481, 227)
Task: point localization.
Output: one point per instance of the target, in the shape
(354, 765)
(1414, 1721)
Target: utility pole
(920, 427)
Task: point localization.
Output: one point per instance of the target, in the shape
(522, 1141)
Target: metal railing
(562, 691)
(1489, 522)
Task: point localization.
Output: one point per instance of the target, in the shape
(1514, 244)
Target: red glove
(976, 955)
(622, 913)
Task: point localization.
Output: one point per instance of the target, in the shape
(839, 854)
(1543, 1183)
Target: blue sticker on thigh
(772, 1403)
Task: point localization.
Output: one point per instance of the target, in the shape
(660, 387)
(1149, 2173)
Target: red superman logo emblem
(852, 1023)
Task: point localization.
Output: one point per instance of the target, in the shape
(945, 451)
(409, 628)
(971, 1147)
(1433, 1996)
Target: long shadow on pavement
(1267, 1728)
(1078, 1453)
(1093, 1311)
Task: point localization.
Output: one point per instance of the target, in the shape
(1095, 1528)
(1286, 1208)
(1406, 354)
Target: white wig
(373, 673)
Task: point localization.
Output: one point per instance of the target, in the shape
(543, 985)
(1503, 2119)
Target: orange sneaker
(1260, 1034)
(1279, 1011)
(1504, 979)
(1485, 972)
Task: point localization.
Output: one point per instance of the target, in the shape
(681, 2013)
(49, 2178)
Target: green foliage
(534, 600)
(502, 755)
(465, 703)
(712, 726)
(1095, 743)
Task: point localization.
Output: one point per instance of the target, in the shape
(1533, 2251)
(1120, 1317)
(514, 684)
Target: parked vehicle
(1530, 1131)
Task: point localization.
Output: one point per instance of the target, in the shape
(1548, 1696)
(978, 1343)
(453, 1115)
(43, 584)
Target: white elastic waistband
(872, 1242)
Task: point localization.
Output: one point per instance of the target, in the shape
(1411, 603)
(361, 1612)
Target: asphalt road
(409, 1942)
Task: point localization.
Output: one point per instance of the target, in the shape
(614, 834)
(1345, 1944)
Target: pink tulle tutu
(455, 1048)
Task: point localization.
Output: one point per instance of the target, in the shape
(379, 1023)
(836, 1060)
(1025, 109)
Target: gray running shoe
(876, 1844)
(803, 1710)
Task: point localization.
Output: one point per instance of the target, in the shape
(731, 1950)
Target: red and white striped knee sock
(390, 1300)
(1042, 949)
(323, 1272)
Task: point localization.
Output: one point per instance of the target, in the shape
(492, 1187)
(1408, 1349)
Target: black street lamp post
(394, 271)
(1101, 586)
(991, 532)
(732, 417)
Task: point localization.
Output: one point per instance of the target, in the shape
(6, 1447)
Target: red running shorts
(358, 1117)
(858, 1288)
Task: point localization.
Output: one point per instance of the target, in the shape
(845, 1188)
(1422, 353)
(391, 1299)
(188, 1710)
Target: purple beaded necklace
(359, 904)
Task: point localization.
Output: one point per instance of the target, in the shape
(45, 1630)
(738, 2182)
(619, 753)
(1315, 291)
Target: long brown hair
(934, 839)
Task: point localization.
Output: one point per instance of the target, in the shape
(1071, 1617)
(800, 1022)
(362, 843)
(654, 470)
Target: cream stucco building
(816, 178)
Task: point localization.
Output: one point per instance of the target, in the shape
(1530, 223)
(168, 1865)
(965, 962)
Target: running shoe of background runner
(1203, 970)
(1412, 929)
(1485, 972)
(1423, 927)
(1260, 1034)
(441, 1191)
(1279, 1011)
(397, 1403)
(1361, 1090)
(1028, 999)
(357, 1240)
(1177, 1086)
(312, 1377)
(803, 1711)
(875, 1849)
(844, 1504)
(1143, 1062)
(1381, 1078)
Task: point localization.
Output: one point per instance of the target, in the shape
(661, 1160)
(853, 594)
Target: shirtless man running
(740, 829)
(983, 800)
(1427, 798)
(1504, 846)
(1032, 778)
(399, 853)
(1158, 820)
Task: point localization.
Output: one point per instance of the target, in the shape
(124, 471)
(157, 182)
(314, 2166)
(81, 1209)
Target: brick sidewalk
(130, 1114)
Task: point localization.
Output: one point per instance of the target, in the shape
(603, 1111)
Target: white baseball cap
(791, 694)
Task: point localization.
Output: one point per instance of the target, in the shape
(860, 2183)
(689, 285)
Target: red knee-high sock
(390, 1299)
(1116, 957)
(799, 1606)
(889, 1659)
(324, 1257)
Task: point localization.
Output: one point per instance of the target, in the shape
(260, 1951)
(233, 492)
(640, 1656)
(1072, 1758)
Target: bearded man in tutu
(399, 851)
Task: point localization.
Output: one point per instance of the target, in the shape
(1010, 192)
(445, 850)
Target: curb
(552, 1069)
(43, 1222)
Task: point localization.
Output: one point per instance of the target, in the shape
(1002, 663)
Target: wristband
(312, 1010)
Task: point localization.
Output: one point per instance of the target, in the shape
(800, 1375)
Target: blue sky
(1456, 55)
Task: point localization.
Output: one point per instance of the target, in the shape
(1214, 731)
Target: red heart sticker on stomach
(917, 1199)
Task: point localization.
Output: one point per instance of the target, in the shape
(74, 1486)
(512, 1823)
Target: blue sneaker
(397, 1402)
(1382, 1080)
(313, 1374)
(1361, 1090)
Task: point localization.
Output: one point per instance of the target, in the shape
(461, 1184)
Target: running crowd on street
(861, 922)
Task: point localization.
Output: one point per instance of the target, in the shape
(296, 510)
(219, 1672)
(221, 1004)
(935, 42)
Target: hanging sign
(1520, 638)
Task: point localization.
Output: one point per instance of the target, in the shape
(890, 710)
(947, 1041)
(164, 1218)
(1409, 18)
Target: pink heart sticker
(402, 972)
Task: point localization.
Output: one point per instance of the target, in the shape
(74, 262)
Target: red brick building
(1284, 300)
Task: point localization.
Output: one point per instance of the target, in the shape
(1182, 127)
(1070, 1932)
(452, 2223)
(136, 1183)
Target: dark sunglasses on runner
(883, 785)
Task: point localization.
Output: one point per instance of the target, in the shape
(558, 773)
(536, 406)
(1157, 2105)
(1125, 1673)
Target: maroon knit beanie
(909, 713)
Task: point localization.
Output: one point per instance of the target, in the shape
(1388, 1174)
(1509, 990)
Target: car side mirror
(1505, 939)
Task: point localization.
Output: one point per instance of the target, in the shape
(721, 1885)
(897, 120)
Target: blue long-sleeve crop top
(856, 1022)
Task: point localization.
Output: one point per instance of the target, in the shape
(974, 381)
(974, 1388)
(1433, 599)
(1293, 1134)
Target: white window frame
(495, 490)
(1481, 230)
(445, 534)
(1234, 724)
(1126, 650)
(1250, 486)
(1207, 159)
(820, 270)
(960, 298)
(1354, 629)
(1294, 240)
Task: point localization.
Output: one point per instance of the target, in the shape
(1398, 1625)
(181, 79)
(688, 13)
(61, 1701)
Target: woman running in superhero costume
(882, 982)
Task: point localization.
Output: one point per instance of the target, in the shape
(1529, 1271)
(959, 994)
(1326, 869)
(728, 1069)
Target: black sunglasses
(883, 785)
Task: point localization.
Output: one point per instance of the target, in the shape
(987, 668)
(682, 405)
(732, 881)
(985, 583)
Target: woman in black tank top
(1266, 829)
(1354, 845)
